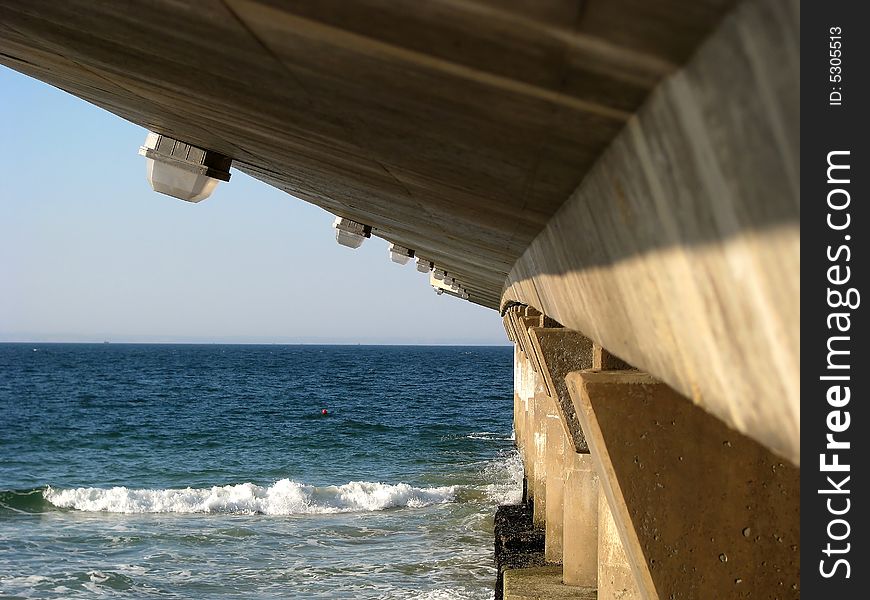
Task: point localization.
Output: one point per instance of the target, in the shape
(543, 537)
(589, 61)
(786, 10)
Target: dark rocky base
(518, 543)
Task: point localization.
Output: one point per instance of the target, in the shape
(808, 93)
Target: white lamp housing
(423, 265)
(439, 274)
(400, 254)
(350, 233)
(181, 170)
(448, 285)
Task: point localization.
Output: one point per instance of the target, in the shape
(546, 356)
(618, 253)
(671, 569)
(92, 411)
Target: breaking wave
(507, 475)
(285, 497)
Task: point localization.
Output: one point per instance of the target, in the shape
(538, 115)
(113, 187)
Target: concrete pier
(663, 501)
(619, 180)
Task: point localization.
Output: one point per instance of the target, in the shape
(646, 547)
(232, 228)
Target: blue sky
(89, 253)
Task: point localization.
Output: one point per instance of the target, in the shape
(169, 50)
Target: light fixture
(448, 285)
(439, 274)
(181, 170)
(423, 265)
(400, 254)
(350, 233)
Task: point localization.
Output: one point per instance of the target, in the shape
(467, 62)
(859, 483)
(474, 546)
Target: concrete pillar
(540, 456)
(519, 404)
(580, 521)
(525, 380)
(559, 352)
(529, 447)
(555, 484)
(615, 578)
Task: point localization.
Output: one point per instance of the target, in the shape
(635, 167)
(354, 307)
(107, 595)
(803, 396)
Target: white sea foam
(488, 435)
(449, 594)
(24, 580)
(508, 476)
(284, 497)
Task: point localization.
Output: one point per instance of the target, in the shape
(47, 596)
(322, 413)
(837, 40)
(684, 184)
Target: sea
(211, 471)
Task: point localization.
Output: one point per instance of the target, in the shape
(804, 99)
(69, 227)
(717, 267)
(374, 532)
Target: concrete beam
(456, 129)
(680, 250)
(701, 509)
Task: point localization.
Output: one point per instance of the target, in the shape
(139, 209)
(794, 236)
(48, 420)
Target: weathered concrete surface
(616, 580)
(542, 410)
(562, 351)
(532, 407)
(580, 529)
(557, 446)
(680, 251)
(518, 543)
(542, 583)
(700, 508)
(526, 383)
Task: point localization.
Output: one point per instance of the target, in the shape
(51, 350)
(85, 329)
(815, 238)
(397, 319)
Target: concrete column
(555, 484)
(615, 577)
(519, 404)
(557, 352)
(540, 456)
(580, 524)
(529, 422)
(524, 406)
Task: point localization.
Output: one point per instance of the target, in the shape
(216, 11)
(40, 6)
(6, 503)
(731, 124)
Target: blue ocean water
(208, 471)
